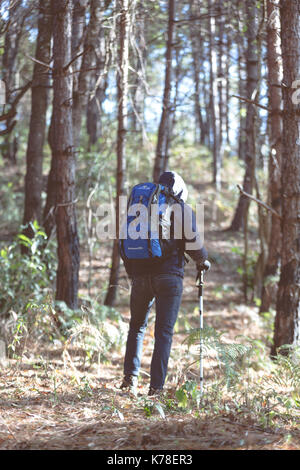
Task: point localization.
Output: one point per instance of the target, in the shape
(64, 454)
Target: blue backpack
(152, 247)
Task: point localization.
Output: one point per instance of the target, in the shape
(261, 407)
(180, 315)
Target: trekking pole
(200, 280)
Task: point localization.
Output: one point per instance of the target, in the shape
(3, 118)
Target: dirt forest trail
(51, 400)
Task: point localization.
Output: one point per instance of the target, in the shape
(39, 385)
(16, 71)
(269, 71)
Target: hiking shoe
(130, 382)
(155, 392)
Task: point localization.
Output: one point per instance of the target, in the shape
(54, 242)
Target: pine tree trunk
(229, 43)
(91, 43)
(252, 84)
(215, 117)
(49, 209)
(140, 52)
(242, 106)
(39, 103)
(196, 43)
(275, 125)
(63, 154)
(241, 51)
(165, 116)
(221, 77)
(97, 92)
(9, 74)
(287, 322)
(122, 86)
(94, 110)
(78, 37)
(173, 105)
(78, 28)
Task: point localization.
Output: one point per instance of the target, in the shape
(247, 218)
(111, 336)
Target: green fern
(287, 367)
(230, 356)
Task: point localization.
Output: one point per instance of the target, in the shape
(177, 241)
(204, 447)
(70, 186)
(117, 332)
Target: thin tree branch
(8, 129)
(87, 49)
(247, 100)
(258, 201)
(12, 112)
(200, 17)
(9, 115)
(39, 62)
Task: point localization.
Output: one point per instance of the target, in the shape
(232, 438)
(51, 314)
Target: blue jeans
(166, 290)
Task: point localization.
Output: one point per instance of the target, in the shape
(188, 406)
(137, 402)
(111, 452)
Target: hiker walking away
(160, 281)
